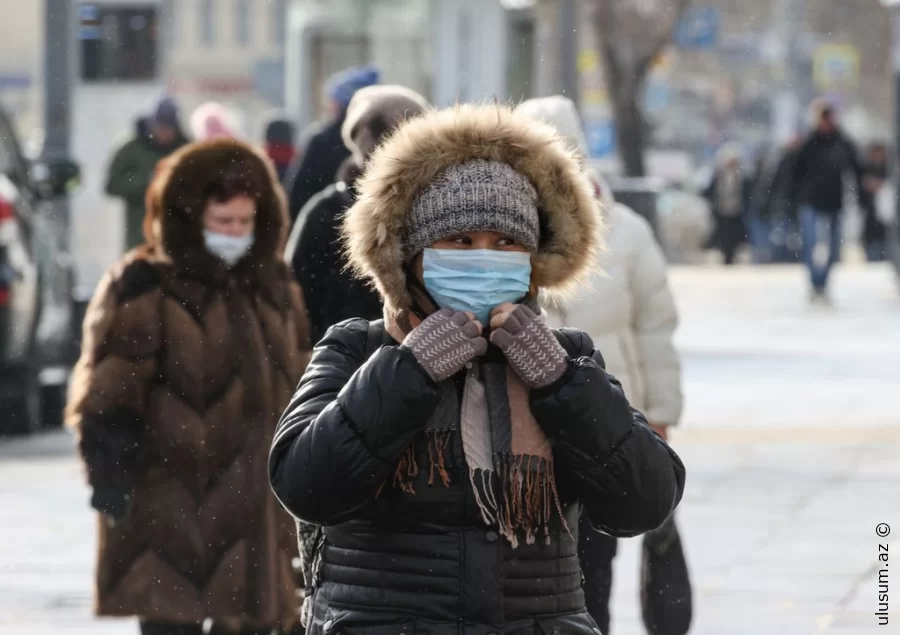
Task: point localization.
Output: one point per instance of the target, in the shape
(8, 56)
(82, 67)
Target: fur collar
(375, 226)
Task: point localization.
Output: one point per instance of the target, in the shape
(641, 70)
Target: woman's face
(236, 217)
(472, 240)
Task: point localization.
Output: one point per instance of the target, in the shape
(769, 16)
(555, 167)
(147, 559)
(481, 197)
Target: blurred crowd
(455, 427)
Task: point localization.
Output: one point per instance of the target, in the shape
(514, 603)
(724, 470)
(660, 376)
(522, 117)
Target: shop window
(118, 43)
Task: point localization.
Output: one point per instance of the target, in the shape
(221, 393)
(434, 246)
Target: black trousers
(176, 628)
(596, 552)
(666, 602)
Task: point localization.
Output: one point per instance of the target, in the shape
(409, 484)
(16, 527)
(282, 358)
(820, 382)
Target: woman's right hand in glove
(445, 342)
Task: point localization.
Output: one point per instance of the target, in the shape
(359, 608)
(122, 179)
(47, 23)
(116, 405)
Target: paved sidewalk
(791, 438)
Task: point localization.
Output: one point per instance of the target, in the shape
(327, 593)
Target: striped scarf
(508, 456)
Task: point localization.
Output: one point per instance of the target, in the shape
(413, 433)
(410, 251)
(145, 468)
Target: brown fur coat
(186, 367)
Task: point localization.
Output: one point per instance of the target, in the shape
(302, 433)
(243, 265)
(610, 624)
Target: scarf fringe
(407, 469)
(519, 495)
(526, 486)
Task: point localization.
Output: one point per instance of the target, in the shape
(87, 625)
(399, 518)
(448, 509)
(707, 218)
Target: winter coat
(129, 175)
(744, 191)
(185, 368)
(630, 315)
(777, 197)
(730, 227)
(331, 293)
(874, 230)
(818, 176)
(314, 167)
(425, 562)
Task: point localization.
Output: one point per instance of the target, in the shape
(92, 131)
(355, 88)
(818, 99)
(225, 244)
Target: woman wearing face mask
(192, 347)
(448, 450)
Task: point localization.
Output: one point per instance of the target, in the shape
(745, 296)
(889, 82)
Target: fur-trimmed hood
(178, 193)
(375, 227)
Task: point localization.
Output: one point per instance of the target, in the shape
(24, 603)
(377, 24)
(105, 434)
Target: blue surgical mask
(476, 280)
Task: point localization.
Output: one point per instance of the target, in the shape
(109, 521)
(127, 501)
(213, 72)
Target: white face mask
(229, 249)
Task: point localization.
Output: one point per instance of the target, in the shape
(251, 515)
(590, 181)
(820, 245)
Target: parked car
(36, 281)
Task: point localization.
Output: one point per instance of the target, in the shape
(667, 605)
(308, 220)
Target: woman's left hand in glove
(529, 345)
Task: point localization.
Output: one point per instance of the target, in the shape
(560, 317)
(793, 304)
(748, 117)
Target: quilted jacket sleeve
(347, 425)
(654, 321)
(626, 477)
(112, 380)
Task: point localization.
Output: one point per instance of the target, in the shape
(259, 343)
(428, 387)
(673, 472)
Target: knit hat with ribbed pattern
(477, 195)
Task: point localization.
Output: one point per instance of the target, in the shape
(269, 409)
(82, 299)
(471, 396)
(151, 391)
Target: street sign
(601, 137)
(697, 29)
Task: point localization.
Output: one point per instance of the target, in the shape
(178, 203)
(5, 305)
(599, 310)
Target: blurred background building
(735, 71)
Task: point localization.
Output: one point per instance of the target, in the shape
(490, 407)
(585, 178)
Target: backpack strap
(375, 337)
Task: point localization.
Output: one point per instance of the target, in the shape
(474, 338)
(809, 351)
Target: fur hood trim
(375, 226)
(178, 194)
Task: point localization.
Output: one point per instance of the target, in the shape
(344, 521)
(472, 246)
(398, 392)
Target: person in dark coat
(314, 167)
(192, 347)
(824, 160)
(778, 205)
(449, 450)
(729, 194)
(133, 164)
(874, 178)
(278, 142)
(332, 294)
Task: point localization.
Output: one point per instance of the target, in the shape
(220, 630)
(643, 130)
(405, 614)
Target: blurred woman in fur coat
(192, 347)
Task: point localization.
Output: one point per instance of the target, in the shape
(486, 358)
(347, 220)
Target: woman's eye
(506, 242)
(462, 240)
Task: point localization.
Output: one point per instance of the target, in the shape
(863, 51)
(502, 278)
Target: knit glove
(531, 348)
(445, 342)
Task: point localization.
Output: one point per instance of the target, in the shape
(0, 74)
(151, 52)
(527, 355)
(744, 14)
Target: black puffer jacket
(331, 293)
(425, 562)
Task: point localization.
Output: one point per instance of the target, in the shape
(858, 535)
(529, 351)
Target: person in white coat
(630, 311)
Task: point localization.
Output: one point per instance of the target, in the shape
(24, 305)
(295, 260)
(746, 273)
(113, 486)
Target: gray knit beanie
(477, 195)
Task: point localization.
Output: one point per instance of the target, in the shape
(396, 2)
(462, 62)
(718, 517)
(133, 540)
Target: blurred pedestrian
(877, 202)
(331, 292)
(278, 141)
(729, 194)
(192, 347)
(825, 159)
(759, 219)
(779, 207)
(317, 163)
(630, 315)
(212, 120)
(134, 162)
(448, 450)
